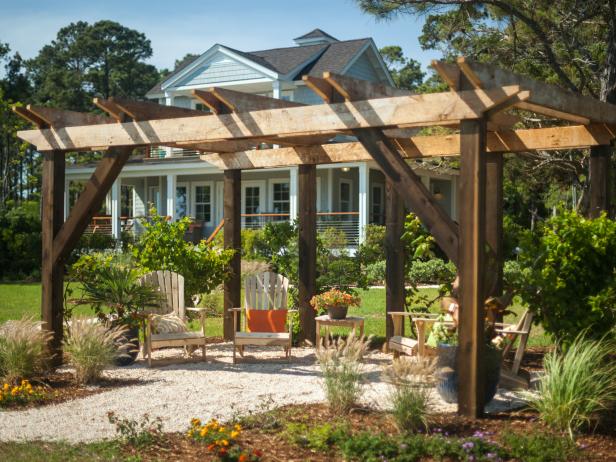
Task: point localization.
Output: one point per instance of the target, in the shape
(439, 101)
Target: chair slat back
(266, 291)
(171, 287)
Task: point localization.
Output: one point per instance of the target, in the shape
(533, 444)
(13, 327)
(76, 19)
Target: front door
(253, 201)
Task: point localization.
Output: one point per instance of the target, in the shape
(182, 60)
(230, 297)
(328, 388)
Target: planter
(128, 347)
(337, 312)
(447, 373)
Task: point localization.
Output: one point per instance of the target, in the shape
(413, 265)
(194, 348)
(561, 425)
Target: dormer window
(315, 37)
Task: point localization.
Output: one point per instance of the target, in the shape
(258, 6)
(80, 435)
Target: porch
(349, 196)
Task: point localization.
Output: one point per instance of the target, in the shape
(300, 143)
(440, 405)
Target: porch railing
(160, 152)
(102, 225)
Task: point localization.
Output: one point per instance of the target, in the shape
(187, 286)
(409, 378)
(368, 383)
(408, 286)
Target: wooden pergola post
(472, 244)
(494, 220)
(599, 172)
(232, 240)
(307, 213)
(394, 256)
(52, 275)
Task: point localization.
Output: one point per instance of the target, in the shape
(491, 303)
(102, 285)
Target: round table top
(326, 318)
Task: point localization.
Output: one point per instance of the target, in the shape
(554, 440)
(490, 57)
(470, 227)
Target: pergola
(385, 122)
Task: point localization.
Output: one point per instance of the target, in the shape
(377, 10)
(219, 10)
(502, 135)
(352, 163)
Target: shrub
(579, 384)
(251, 244)
(372, 250)
(162, 247)
(375, 272)
(90, 347)
(137, 433)
(23, 349)
(568, 275)
(542, 447)
(434, 271)
(410, 397)
(20, 241)
(20, 394)
(341, 365)
(318, 438)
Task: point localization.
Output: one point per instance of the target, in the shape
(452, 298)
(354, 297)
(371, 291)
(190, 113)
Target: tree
(405, 72)
(92, 60)
(569, 42)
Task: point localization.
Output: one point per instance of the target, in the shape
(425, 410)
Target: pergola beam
(544, 139)
(324, 119)
(45, 117)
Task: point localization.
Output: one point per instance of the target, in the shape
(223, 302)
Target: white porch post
(168, 102)
(171, 183)
(67, 196)
(364, 178)
(276, 95)
(116, 226)
(293, 193)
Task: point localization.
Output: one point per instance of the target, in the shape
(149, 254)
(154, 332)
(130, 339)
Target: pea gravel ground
(217, 388)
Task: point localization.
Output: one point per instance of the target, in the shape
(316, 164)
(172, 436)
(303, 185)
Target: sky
(191, 26)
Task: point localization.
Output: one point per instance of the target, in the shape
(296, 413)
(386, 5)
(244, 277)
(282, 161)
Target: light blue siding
(305, 95)
(219, 69)
(363, 69)
(182, 101)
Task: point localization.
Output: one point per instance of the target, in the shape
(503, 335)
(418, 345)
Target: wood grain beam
(237, 101)
(428, 109)
(307, 249)
(545, 139)
(232, 240)
(148, 110)
(45, 117)
(213, 103)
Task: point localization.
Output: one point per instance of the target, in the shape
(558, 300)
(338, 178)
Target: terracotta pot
(337, 312)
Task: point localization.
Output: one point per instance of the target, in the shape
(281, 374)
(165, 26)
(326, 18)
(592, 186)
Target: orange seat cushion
(266, 320)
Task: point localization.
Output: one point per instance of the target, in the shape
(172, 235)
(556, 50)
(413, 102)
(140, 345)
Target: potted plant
(445, 337)
(334, 302)
(118, 299)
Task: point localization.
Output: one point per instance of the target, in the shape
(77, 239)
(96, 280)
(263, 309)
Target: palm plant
(118, 289)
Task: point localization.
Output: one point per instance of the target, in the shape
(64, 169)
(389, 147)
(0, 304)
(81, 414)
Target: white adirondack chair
(263, 291)
(171, 286)
(511, 377)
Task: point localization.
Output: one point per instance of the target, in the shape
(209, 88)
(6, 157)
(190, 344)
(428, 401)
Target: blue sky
(191, 26)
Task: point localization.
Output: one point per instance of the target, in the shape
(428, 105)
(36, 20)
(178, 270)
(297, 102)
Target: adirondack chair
(512, 377)
(265, 309)
(406, 345)
(171, 286)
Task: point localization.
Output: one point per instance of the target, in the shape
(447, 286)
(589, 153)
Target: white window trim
(152, 199)
(188, 208)
(219, 211)
(381, 186)
(193, 203)
(262, 196)
(272, 182)
(350, 183)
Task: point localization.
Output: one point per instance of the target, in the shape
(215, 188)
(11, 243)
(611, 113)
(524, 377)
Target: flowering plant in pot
(334, 302)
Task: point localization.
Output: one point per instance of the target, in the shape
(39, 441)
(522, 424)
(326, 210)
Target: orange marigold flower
(211, 447)
(242, 458)
(258, 452)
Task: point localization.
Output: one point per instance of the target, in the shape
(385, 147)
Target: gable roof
(316, 33)
(293, 62)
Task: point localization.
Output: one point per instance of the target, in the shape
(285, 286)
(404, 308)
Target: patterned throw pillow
(168, 324)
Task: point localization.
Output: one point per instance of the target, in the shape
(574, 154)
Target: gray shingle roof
(316, 33)
(333, 57)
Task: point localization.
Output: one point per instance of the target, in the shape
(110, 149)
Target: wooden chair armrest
(236, 309)
(399, 313)
(196, 309)
(293, 310)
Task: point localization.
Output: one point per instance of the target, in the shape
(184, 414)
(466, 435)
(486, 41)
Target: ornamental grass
(579, 385)
(91, 347)
(23, 349)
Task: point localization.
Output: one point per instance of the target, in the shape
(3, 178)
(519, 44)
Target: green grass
(60, 452)
(19, 299)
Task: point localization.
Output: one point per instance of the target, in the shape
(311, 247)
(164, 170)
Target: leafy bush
(20, 241)
(137, 433)
(410, 397)
(341, 365)
(251, 244)
(434, 271)
(372, 250)
(318, 438)
(23, 349)
(375, 272)
(90, 347)
(568, 275)
(162, 247)
(579, 384)
(541, 447)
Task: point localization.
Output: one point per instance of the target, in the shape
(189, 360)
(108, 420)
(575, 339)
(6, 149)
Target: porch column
(394, 256)
(232, 240)
(471, 268)
(364, 197)
(494, 224)
(116, 225)
(599, 171)
(52, 275)
(307, 249)
(293, 193)
(171, 184)
(168, 102)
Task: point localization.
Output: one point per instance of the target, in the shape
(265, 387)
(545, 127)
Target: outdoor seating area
(408, 319)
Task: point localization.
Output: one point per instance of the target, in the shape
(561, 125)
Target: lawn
(17, 300)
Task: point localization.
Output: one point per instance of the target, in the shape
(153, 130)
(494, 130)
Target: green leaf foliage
(568, 275)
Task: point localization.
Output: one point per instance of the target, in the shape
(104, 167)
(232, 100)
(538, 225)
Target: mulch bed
(61, 386)
(266, 434)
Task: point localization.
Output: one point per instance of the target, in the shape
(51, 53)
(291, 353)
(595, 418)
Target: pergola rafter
(385, 122)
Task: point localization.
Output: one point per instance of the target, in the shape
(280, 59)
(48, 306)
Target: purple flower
(479, 434)
(446, 433)
(491, 455)
(438, 430)
(471, 458)
(468, 446)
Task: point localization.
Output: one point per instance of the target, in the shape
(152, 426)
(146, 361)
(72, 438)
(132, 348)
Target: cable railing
(160, 152)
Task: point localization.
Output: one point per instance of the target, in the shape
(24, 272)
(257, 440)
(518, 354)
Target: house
(177, 183)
